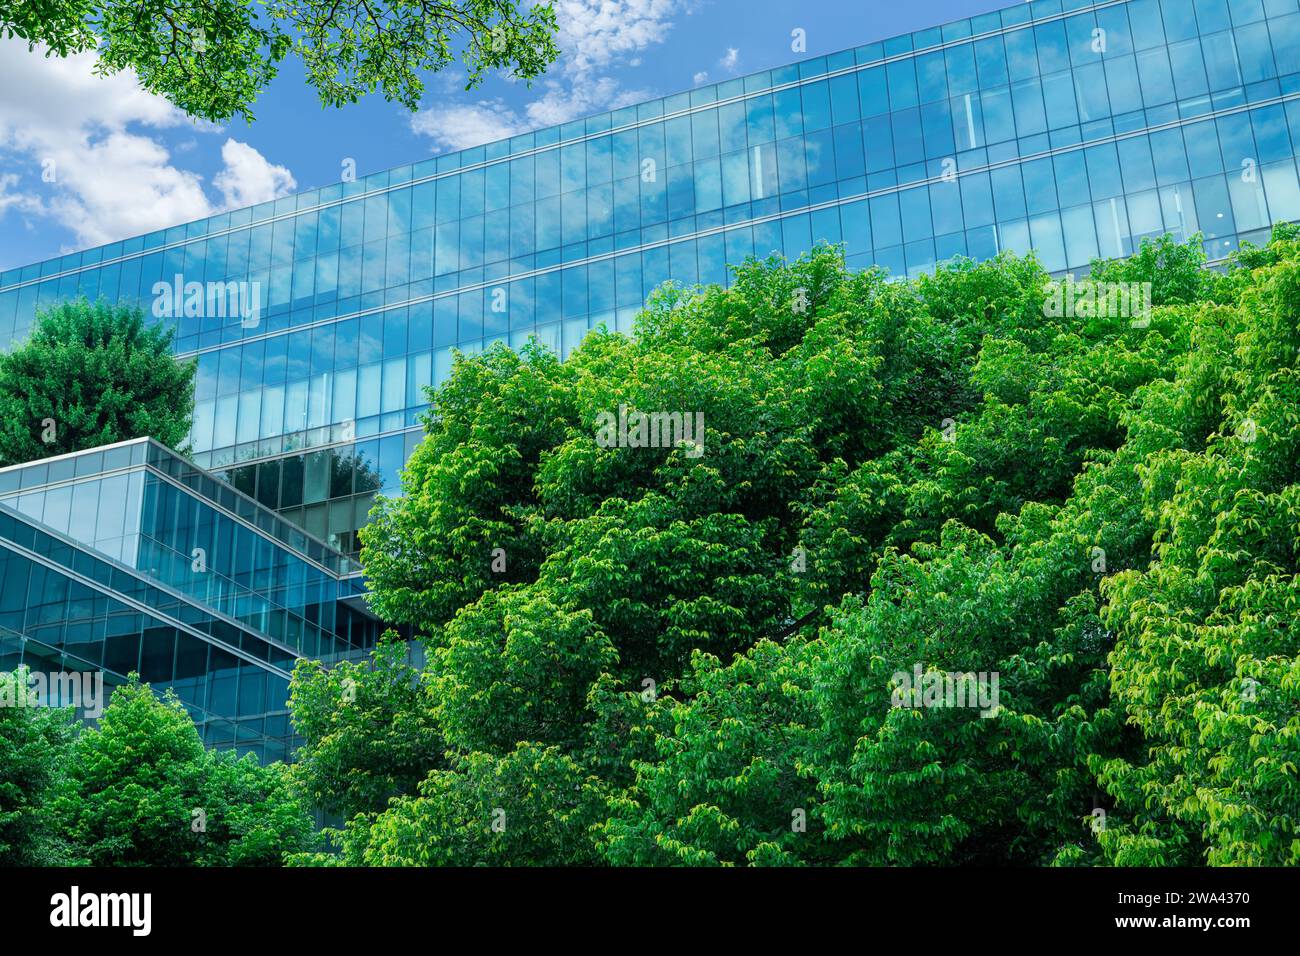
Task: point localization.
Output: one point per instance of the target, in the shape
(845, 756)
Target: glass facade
(1074, 129)
(128, 558)
(1071, 128)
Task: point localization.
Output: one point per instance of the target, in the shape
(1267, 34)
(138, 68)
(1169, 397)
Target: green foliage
(1208, 664)
(140, 790)
(1174, 271)
(89, 375)
(528, 806)
(661, 657)
(367, 728)
(726, 786)
(212, 58)
(34, 743)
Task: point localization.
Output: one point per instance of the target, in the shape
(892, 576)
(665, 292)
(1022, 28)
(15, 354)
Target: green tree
(34, 748)
(693, 658)
(141, 790)
(368, 730)
(213, 58)
(1207, 664)
(725, 786)
(563, 586)
(89, 375)
(530, 806)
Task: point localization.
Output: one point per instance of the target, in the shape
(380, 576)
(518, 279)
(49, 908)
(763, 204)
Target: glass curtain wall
(1073, 129)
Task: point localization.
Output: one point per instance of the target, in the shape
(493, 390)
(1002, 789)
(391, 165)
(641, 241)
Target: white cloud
(249, 178)
(458, 126)
(595, 33)
(595, 36)
(9, 199)
(561, 103)
(730, 60)
(98, 139)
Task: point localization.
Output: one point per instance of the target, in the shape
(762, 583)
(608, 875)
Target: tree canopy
(34, 747)
(141, 790)
(136, 789)
(368, 729)
(92, 374)
(653, 655)
(212, 58)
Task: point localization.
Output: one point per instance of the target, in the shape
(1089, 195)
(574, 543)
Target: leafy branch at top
(212, 58)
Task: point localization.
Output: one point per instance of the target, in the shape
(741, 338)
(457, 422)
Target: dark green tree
(92, 374)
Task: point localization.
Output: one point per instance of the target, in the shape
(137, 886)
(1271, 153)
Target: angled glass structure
(128, 558)
(1071, 128)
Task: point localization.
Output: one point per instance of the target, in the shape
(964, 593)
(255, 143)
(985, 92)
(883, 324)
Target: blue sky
(86, 160)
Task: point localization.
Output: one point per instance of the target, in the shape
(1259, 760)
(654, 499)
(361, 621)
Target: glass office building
(128, 558)
(1071, 128)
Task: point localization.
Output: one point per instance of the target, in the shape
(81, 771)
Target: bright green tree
(692, 658)
(368, 730)
(141, 790)
(564, 586)
(726, 785)
(213, 58)
(34, 749)
(1207, 664)
(92, 374)
(530, 806)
